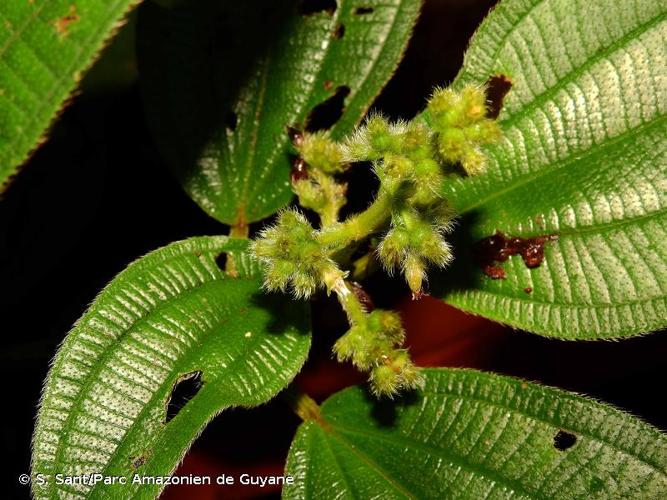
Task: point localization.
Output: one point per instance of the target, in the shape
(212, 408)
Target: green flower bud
(398, 166)
(441, 101)
(420, 231)
(311, 195)
(416, 142)
(452, 144)
(384, 381)
(393, 248)
(435, 249)
(473, 162)
(415, 273)
(322, 153)
(473, 101)
(386, 325)
(483, 132)
(409, 376)
(395, 372)
(382, 137)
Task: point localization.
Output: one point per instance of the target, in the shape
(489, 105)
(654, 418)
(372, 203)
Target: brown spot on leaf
(498, 248)
(528, 289)
(339, 32)
(295, 136)
(62, 24)
(328, 85)
(137, 462)
(497, 88)
(299, 170)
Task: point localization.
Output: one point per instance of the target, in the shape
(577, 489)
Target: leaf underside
(583, 157)
(45, 45)
(171, 315)
(222, 81)
(474, 435)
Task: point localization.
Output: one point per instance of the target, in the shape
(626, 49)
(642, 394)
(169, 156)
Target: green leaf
(473, 435)
(583, 158)
(170, 316)
(222, 81)
(45, 45)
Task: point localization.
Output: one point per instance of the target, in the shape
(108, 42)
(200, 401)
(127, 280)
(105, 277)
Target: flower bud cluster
(410, 160)
(317, 188)
(461, 126)
(371, 345)
(292, 257)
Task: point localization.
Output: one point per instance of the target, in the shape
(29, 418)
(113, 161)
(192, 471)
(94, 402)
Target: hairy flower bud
(291, 255)
(393, 248)
(415, 273)
(461, 125)
(320, 152)
(394, 373)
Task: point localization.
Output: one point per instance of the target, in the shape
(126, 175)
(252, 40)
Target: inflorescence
(409, 215)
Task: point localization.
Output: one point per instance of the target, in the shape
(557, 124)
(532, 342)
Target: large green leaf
(222, 82)
(45, 45)
(474, 435)
(583, 157)
(170, 316)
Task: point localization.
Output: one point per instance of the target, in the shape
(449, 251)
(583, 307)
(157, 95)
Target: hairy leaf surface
(171, 316)
(583, 158)
(222, 82)
(473, 435)
(45, 45)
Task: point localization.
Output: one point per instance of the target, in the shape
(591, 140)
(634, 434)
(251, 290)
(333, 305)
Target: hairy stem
(303, 405)
(358, 227)
(346, 297)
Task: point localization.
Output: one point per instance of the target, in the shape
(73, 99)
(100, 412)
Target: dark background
(97, 195)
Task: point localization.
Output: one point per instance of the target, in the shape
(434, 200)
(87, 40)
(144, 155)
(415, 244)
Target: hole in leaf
(497, 88)
(186, 387)
(221, 261)
(309, 7)
(324, 115)
(361, 11)
(231, 120)
(339, 32)
(564, 440)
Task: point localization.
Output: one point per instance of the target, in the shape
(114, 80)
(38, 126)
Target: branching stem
(359, 226)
